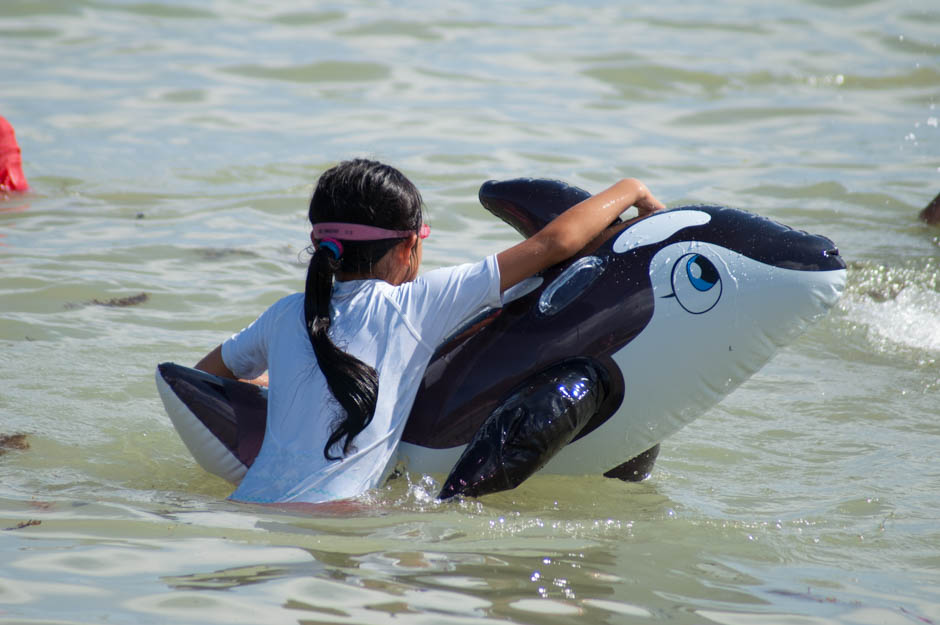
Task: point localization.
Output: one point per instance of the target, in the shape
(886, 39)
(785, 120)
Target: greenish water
(171, 148)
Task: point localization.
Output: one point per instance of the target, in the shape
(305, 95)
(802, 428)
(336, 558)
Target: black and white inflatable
(590, 365)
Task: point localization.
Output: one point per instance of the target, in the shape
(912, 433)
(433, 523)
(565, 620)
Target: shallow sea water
(172, 146)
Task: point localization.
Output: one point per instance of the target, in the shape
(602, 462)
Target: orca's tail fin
(221, 421)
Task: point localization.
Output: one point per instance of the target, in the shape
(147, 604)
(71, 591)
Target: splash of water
(897, 305)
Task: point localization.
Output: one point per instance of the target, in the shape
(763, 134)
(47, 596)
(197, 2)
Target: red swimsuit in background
(11, 163)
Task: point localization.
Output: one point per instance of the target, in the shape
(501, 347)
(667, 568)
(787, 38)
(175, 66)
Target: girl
(345, 358)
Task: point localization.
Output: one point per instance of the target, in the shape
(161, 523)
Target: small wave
(898, 305)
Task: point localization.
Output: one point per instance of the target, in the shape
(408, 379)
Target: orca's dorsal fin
(527, 204)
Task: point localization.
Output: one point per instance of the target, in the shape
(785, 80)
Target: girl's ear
(404, 250)
(406, 253)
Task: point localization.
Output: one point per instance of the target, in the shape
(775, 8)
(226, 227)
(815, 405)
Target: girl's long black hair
(363, 192)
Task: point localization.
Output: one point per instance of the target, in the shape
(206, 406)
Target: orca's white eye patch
(696, 283)
(658, 227)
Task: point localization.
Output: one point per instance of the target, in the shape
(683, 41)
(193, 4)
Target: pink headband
(359, 232)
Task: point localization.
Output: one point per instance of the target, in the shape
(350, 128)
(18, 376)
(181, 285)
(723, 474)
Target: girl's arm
(213, 363)
(572, 230)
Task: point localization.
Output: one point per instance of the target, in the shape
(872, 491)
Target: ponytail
(362, 192)
(353, 383)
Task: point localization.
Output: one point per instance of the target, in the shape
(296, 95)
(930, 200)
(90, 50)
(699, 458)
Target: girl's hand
(646, 203)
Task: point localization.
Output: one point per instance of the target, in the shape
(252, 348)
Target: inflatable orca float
(589, 365)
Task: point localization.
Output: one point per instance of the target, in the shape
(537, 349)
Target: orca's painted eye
(696, 283)
(702, 273)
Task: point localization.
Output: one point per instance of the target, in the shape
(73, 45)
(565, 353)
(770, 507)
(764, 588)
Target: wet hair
(362, 192)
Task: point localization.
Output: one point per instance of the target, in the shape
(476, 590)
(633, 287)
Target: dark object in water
(931, 214)
(114, 302)
(120, 302)
(23, 524)
(12, 441)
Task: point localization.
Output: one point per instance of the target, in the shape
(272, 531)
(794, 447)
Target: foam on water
(898, 306)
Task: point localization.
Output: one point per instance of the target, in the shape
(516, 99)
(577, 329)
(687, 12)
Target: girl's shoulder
(480, 273)
(289, 301)
(456, 287)
(286, 305)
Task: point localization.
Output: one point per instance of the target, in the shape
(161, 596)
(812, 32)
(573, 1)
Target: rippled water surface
(171, 148)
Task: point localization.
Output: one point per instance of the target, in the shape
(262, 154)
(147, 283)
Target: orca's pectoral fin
(636, 469)
(528, 428)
